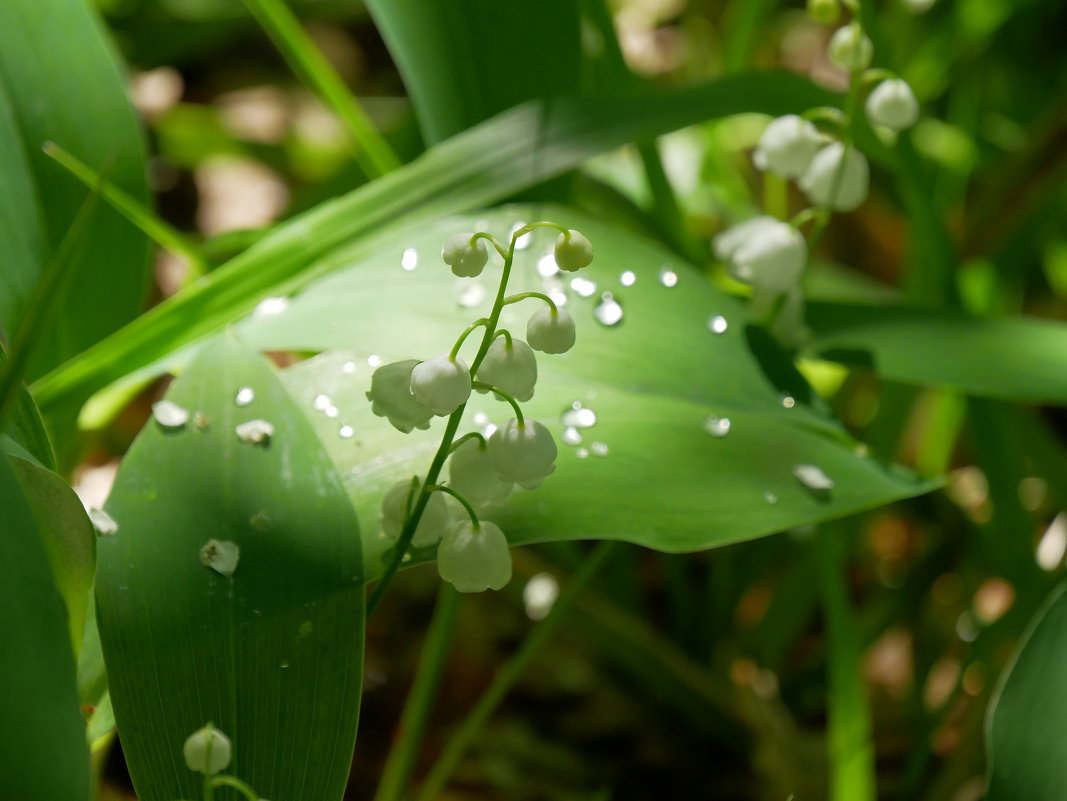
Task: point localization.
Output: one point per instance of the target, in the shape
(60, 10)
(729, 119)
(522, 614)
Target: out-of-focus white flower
(573, 251)
(471, 474)
(763, 252)
(510, 366)
(523, 454)
(821, 182)
(474, 559)
(207, 750)
(393, 514)
(893, 104)
(850, 49)
(550, 331)
(390, 396)
(466, 259)
(787, 146)
(441, 384)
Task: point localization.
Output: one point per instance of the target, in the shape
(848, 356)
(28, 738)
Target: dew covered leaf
(270, 651)
(651, 472)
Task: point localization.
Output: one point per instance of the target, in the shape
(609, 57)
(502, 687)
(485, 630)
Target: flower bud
(466, 258)
(850, 49)
(441, 384)
(474, 559)
(763, 252)
(550, 331)
(435, 519)
(893, 104)
(787, 146)
(573, 251)
(390, 396)
(821, 182)
(471, 474)
(523, 454)
(510, 366)
(825, 12)
(207, 751)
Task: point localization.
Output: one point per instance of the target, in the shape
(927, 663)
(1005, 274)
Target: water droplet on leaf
(628, 278)
(169, 415)
(717, 426)
(813, 477)
(578, 416)
(718, 324)
(244, 396)
(608, 312)
(410, 260)
(254, 431)
(583, 287)
(668, 277)
(221, 556)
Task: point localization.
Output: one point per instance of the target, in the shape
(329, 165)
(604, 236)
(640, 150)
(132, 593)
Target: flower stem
(492, 240)
(501, 393)
(475, 523)
(524, 295)
(452, 354)
(465, 437)
(237, 784)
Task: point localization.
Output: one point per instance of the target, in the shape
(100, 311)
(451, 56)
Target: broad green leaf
(272, 654)
(1018, 359)
(1028, 713)
(647, 471)
(506, 154)
(67, 535)
(86, 111)
(466, 60)
(43, 741)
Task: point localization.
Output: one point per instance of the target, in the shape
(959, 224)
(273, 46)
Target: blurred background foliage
(704, 675)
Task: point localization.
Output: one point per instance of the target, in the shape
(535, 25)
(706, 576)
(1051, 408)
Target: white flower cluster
(473, 554)
(770, 254)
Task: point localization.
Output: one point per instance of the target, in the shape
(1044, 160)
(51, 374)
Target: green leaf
(1018, 359)
(68, 538)
(652, 382)
(272, 655)
(510, 152)
(86, 111)
(43, 743)
(1028, 713)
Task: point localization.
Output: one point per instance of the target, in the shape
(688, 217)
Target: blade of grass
(153, 227)
(852, 774)
(405, 750)
(509, 673)
(373, 154)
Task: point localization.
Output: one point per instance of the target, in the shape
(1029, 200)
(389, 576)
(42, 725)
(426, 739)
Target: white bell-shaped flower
(207, 751)
(441, 384)
(573, 251)
(510, 366)
(850, 49)
(787, 146)
(471, 474)
(466, 259)
(390, 396)
(893, 104)
(523, 453)
(550, 330)
(764, 252)
(474, 559)
(821, 183)
(393, 513)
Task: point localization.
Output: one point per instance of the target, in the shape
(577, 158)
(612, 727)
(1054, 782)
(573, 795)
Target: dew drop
(583, 287)
(331, 412)
(169, 415)
(283, 664)
(254, 431)
(559, 297)
(599, 448)
(220, 555)
(571, 436)
(718, 324)
(469, 293)
(321, 403)
(770, 498)
(244, 396)
(578, 416)
(480, 418)
(862, 450)
(410, 260)
(348, 367)
(718, 427)
(270, 306)
(668, 277)
(104, 523)
(628, 278)
(539, 594)
(813, 477)
(546, 266)
(608, 312)
(788, 401)
(582, 453)
(346, 432)
(374, 360)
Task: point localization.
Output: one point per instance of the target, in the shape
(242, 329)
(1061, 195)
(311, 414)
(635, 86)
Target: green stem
(156, 229)
(461, 739)
(40, 307)
(503, 332)
(492, 240)
(465, 437)
(524, 295)
(452, 354)
(475, 523)
(419, 703)
(373, 153)
(209, 788)
(501, 393)
(237, 784)
(519, 232)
